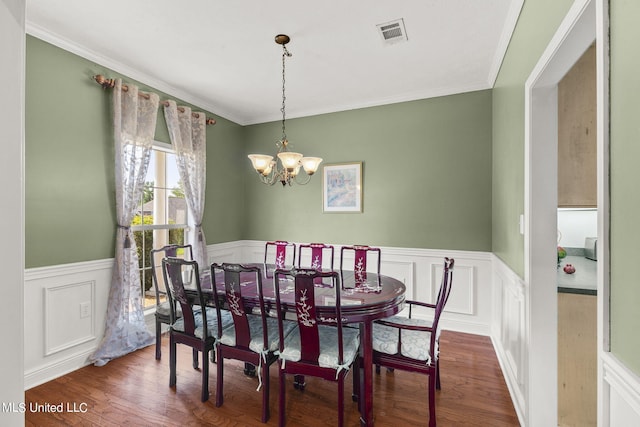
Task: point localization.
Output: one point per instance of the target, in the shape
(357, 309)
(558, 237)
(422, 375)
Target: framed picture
(342, 187)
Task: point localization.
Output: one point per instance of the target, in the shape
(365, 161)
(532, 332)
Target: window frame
(144, 267)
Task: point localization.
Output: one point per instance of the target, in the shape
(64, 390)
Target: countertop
(583, 281)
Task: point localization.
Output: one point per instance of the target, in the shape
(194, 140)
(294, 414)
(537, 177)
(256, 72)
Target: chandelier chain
(285, 53)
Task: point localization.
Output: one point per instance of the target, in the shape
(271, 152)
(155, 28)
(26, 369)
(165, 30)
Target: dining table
(365, 297)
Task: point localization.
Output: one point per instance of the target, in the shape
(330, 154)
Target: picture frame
(342, 187)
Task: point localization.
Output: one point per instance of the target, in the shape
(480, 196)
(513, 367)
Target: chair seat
(255, 328)
(328, 346)
(163, 310)
(212, 322)
(415, 344)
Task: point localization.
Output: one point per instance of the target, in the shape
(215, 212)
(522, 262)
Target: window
(162, 216)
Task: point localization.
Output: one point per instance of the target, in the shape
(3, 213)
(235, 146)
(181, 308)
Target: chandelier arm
(269, 179)
(299, 182)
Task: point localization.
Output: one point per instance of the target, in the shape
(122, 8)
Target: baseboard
(51, 371)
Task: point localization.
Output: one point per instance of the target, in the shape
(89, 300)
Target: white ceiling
(221, 55)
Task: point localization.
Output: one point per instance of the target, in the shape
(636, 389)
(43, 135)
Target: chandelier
(288, 170)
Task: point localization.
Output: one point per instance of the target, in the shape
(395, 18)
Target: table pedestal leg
(366, 381)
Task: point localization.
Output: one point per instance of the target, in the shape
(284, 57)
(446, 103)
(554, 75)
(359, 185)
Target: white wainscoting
(621, 397)
(65, 305)
(64, 308)
(508, 332)
(487, 298)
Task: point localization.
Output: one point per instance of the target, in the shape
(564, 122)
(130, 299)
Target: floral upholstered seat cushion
(328, 346)
(415, 344)
(255, 328)
(163, 309)
(212, 322)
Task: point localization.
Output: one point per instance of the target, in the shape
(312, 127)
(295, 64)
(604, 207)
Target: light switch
(521, 221)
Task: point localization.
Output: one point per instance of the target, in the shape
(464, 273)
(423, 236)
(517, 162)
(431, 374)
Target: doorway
(576, 33)
(577, 231)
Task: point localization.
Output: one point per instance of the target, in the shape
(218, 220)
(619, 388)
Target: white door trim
(581, 26)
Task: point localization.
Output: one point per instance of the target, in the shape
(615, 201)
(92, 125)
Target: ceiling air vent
(393, 31)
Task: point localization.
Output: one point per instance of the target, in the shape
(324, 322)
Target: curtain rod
(110, 84)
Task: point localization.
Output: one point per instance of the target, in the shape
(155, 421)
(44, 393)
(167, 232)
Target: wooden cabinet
(577, 155)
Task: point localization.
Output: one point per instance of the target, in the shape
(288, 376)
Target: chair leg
(355, 395)
(158, 340)
(281, 399)
(205, 376)
(219, 377)
(195, 359)
(172, 362)
(298, 382)
(341, 401)
(432, 399)
(249, 370)
(378, 369)
(438, 375)
(265, 392)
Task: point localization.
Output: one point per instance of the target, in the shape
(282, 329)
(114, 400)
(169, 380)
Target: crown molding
(505, 38)
(379, 102)
(126, 70)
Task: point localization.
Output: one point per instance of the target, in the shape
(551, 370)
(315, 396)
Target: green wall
(426, 176)
(625, 197)
(442, 202)
(537, 23)
(69, 171)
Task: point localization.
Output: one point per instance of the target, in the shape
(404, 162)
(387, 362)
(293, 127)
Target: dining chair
(163, 312)
(412, 343)
(200, 326)
(319, 346)
(314, 255)
(280, 253)
(253, 338)
(362, 255)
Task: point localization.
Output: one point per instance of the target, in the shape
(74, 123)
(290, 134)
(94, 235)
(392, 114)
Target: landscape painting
(342, 187)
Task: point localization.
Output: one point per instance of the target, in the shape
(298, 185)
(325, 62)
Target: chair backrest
(176, 271)
(443, 294)
(361, 262)
(234, 276)
(306, 314)
(280, 253)
(156, 256)
(316, 253)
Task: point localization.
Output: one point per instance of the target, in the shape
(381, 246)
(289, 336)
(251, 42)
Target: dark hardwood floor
(134, 390)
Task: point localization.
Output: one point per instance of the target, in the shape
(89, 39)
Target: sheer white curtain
(134, 125)
(189, 136)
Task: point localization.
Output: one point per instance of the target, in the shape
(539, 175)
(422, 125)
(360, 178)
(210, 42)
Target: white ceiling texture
(222, 57)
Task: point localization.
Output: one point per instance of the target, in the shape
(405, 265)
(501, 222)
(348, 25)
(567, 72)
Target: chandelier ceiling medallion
(287, 171)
